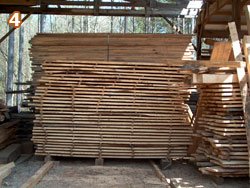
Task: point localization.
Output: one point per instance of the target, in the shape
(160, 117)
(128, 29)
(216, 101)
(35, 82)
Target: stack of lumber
(7, 130)
(223, 132)
(108, 47)
(111, 110)
(24, 129)
(3, 111)
(223, 150)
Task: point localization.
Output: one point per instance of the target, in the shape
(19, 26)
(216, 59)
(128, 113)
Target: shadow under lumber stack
(111, 110)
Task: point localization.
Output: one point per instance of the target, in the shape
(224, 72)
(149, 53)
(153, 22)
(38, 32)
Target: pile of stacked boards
(220, 124)
(7, 130)
(3, 111)
(107, 96)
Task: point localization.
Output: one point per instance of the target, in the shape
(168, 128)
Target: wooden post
(236, 15)
(242, 77)
(20, 67)
(11, 50)
(247, 14)
(172, 25)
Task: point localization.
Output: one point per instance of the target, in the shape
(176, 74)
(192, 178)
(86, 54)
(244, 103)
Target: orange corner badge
(15, 19)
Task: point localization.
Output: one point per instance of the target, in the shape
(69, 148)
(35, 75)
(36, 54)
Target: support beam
(247, 14)
(247, 54)
(96, 7)
(13, 29)
(242, 77)
(172, 25)
(236, 13)
(18, 2)
(86, 11)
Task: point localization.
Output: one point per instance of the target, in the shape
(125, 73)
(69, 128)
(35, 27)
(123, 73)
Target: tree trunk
(178, 23)
(42, 23)
(125, 24)
(73, 24)
(193, 25)
(10, 78)
(120, 25)
(20, 67)
(184, 28)
(111, 24)
(133, 24)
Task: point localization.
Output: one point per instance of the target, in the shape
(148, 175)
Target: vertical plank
(242, 77)
(247, 54)
(236, 10)
(247, 14)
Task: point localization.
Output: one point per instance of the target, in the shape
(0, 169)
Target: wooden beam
(242, 77)
(247, 54)
(87, 11)
(161, 176)
(7, 166)
(214, 8)
(137, 3)
(18, 2)
(214, 78)
(209, 64)
(236, 10)
(96, 7)
(210, 42)
(172, 25)
(5, 171)
(13, 29)
(247, 14)
(33, 180)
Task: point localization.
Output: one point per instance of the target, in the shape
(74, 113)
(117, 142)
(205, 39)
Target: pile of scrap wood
(219, 121)
(111, 110)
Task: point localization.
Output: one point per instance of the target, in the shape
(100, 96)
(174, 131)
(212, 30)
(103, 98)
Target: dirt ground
(82, 173)
(188, 176)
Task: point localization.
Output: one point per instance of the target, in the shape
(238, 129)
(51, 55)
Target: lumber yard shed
(124, 93)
